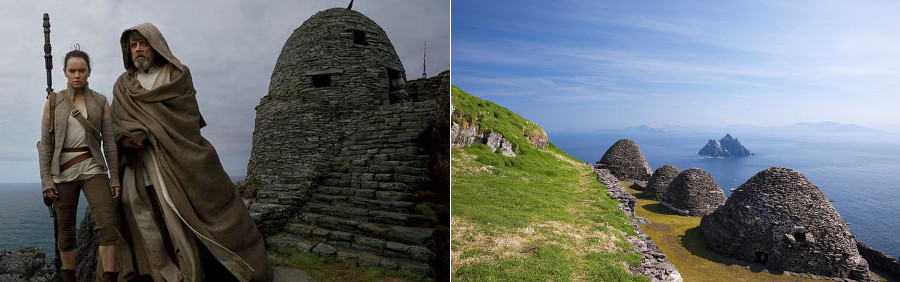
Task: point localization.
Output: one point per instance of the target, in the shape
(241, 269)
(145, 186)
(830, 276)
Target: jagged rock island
(726, 148)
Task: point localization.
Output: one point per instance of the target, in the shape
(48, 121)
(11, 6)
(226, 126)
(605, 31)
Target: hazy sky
(231, 47)
(581, 65)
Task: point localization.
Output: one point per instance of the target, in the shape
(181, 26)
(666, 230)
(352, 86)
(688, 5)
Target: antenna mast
(424, 53)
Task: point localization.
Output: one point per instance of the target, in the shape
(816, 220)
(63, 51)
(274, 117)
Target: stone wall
(879, 260)
(358, 201)
(345, 169)
(654, 263)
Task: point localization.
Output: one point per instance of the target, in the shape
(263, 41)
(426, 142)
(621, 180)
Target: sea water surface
(25, 220)
(859, 172)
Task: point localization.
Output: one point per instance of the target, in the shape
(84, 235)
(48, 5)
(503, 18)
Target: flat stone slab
(287, 274)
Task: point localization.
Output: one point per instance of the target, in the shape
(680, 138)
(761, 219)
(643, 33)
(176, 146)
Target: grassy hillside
(538, 216)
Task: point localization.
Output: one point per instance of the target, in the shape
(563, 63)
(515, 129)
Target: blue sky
(584, 65)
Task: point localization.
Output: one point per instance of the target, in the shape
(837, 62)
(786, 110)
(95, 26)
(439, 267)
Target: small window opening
(359, 37)
(321, 80)
(800, 236)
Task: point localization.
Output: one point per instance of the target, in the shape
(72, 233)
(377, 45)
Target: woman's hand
(116, 191)
(51, 193)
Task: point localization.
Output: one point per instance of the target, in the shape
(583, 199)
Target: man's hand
(116, 191)
(51, 193)
(130, 144)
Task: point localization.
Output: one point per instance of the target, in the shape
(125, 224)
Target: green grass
(470, 110)
(541, 215)
(327, 269)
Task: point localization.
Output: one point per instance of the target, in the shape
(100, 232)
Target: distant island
(725, 148)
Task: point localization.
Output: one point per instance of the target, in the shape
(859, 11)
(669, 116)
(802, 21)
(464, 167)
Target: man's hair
(134, 35)
(77, 53)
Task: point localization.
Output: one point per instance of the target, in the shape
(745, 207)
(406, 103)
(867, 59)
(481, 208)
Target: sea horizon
(854, 170)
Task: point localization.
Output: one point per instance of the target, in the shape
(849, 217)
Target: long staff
(48, 60)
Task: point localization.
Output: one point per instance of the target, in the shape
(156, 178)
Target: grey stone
(810, 237)
(625, 160)
(659, 182)
(324, 250)
(25, 264)
(693, 192)
(340, 123)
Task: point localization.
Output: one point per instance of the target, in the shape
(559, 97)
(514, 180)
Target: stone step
(364, 251)
(361, 202)
(387, 215)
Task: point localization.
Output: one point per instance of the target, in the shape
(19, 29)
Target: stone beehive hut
(625, 160)
(659, 182)
(693, 193)
(338, 166)
(780, 219)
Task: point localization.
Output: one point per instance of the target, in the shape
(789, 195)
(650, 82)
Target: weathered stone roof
(780, 219)
(693, 193)
(344, 44)
(625, 160)
(659, 182)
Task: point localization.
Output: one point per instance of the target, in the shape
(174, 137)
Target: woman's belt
(77, 159)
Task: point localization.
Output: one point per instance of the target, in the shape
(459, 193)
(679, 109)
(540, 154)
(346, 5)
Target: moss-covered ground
(679, 237)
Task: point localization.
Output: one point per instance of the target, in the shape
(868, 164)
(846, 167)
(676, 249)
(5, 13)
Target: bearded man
(186, 221)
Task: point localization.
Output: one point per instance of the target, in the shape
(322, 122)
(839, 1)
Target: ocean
(859, 172)
(24, 218)
(25, 221)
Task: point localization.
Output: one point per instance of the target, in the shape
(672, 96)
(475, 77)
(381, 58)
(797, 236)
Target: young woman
(71, 161)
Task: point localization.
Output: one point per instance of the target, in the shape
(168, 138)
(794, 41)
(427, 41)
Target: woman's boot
(68, 275)
(110, 276)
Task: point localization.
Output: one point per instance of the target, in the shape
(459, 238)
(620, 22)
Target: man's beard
(143, 65)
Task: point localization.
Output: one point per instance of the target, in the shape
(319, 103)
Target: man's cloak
(196, 186)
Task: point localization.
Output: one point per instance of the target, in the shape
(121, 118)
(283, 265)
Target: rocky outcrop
(659, 182)
(879, 260)
(25, 264)
(693, 192)
(625, 160)
(726, 148)
(654, 263)
(465, 136)
(781, 220)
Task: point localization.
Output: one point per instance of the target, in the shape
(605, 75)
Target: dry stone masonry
(781, 220)
(625, 160)
(693, 192)
(339, 165)
(654, 263)
(659, 182)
